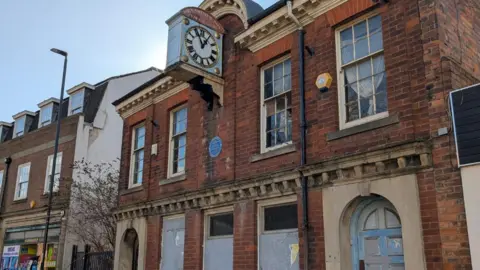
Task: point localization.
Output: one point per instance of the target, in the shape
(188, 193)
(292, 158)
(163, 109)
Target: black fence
(91, 260)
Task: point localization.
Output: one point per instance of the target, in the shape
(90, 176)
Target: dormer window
(21, 123)
(46, 115)
(20, 126)
(4, 128)
(47, 110)
(76, 103)
(77, 97)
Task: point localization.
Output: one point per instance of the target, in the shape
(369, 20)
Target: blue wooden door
(378, 241)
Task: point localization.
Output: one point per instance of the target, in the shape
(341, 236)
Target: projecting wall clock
(201, 46)
(195, 37)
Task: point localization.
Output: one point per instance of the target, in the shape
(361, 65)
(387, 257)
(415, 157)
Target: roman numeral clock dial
(201, 46)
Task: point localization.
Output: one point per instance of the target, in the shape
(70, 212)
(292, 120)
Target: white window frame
(171, 145)
(2, 175)
(216, 212)
(17, 185)
(15, 131)
(261, 205)
(49, 171)
(132, 155)
(341, 82)
(46, 123)
(263, 121)
(70, 109)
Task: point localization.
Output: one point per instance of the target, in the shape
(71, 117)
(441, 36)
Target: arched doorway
(131, 249)
(376, 236)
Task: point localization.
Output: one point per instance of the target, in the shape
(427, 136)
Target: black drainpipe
(8, 161)
(303, 142)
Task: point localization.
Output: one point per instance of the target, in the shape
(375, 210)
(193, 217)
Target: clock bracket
(210, 86)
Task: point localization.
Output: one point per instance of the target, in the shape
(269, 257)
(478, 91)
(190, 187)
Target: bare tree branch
(93, 196)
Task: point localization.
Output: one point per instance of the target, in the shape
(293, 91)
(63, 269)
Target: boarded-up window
(218, 252)
(173, 239)
(278, 238)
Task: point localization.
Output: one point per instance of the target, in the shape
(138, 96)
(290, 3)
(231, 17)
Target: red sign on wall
(203, 17)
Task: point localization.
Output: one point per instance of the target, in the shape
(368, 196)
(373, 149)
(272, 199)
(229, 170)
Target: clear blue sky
(103, 38)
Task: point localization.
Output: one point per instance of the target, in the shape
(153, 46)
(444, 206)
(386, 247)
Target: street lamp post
(54, 161)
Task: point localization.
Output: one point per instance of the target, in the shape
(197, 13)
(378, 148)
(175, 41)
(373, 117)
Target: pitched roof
(129, 74)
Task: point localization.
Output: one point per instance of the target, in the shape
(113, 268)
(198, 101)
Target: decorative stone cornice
(219, 8)
(379, 164)
(278, 24)
(157, 92)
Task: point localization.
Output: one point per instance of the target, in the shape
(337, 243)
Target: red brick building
(382, 183)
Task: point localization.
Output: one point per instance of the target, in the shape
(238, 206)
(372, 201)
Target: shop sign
(11, 251)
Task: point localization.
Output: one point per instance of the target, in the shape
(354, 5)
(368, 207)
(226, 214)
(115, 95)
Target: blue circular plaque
(215, 147)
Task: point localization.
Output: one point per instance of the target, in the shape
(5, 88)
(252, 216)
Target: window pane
(289, 125)
(278, 86)
(180, 127)
(378, 64)
(46, 115)
(270, 122)
(347, 54)
(181, 115)
(376, 42)
(139, 137)
(268, 73)
(361, 48)
(351, 93)
(381, 102)
(182, 140)
(375, 24)
(360, 30)
(380, 83)
(270, 138)
(366, 87)
(351, 74)
(352, 111)
(76, 102)
(366, 106)
(221, 225)
(365, 69)
(289, 99)
(281, 217)
(181, 152)
(287, 67)
(280, 121)
(346, 37)
(270, 107)
(278, 71)
(287, 83)
(1, 178)
(281, 136)
(268, 90)
(180, 165)
(20, 125)
(281, 103)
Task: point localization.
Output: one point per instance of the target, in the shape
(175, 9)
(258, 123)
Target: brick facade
(430, 48)
(35, 147)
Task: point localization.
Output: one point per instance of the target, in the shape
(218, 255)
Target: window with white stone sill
(21, 187)
(58, 169)
(137, 156)
(276, 105)
(361, 72)
(178, 142)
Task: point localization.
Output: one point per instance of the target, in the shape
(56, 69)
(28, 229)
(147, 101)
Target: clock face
(201, 46)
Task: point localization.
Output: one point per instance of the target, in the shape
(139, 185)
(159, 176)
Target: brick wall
(38, 145)
(430, 48)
